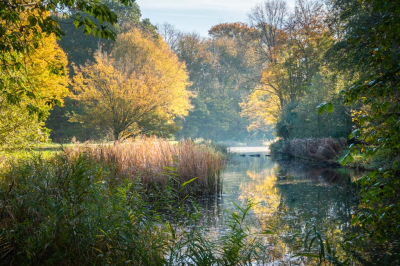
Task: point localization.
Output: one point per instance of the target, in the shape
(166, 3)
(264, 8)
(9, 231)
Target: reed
(155, 160)
(66, 211)
(323, 149)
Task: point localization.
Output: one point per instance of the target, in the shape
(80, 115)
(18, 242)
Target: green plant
(325, 254)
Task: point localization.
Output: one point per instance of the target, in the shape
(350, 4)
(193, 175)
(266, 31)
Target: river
(291, 197)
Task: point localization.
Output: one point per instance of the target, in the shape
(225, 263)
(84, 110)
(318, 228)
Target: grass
(325, 150)
(154, 160)
(89, 206)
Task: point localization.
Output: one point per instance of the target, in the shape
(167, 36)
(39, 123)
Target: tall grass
(153, 159)
(324, 149)
(68, 210)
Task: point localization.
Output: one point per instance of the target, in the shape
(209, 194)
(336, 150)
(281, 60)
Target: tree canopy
(20, 124)
(139, 88)
(23, 27)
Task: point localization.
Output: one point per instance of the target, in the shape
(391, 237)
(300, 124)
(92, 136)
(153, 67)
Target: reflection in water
(291, 198)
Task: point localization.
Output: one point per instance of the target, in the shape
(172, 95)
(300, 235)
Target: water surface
(291, 197)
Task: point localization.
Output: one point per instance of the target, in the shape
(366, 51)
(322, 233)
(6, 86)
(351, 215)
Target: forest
(118, 135)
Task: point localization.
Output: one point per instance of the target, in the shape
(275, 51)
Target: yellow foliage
(42, 73)
(262, 108)
(48, 85)
(140, 87)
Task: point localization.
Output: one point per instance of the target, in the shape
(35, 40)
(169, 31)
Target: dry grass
(156, 160)
(324, 149)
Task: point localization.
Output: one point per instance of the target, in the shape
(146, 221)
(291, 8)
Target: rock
(254, 155)
(243, 155)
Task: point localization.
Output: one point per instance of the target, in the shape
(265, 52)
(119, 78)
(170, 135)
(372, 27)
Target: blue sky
(197, 15)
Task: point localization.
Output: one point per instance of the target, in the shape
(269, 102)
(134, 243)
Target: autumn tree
(139, 88)
(24, 25)
(269, 19)
(222, 70)
(80, 49)
(170, 34)
(292, 45)
(21, 123)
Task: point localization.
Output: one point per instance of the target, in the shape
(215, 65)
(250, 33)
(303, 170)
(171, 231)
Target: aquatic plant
(149, 157)
(323, 149)
(69, 210)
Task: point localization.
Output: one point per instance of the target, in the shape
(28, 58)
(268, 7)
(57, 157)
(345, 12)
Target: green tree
(368, 45)
(222, 70)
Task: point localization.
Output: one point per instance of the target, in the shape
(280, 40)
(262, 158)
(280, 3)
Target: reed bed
(64, 211)
(155, 161)
(324, 149)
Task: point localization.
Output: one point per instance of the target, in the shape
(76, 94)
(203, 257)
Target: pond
(291, 198)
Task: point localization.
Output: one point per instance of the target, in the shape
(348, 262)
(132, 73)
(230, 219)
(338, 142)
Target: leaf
(32, 21)
(329, 107)
(267, 232)
(321, 108)
(343, 161)
(188, 182)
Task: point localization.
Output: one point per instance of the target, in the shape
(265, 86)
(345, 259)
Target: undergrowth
(75, 210)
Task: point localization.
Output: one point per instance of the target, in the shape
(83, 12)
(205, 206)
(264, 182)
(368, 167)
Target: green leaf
(329, 107)
(344, 160)
(188, 182)
(32, 21)
(309, 255)
(267, 232)
(321, 110)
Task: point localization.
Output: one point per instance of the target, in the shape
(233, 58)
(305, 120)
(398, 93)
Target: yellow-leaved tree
(261, 108)
(140, 88)
(41, 76)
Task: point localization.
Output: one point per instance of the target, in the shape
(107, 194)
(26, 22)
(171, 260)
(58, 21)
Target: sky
(197, 15)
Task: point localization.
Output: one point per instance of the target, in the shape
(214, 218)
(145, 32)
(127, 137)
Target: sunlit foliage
(222, 69)
(292, 45)
(24, 26)
(22, 122)
(139, 88)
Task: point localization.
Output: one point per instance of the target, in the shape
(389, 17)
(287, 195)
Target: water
(291, 197)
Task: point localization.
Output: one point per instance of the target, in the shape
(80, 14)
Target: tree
(80, 48)
(139, 88)
(170, 34)
(222, 70)
(292, 46)
(20, 124)
(269, 19)
(24, 25)
(369, 47)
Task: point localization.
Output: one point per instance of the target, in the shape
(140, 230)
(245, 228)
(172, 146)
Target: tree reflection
(292, 197)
